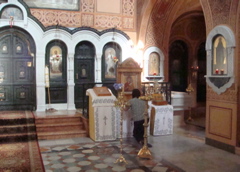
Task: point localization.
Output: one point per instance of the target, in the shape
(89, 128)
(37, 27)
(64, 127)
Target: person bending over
(138, 108)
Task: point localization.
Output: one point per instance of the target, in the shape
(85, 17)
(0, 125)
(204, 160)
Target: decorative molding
(103, 21)
(88, 20)
(87, 16)
(128, 8)
(87, 6)
(128, 23)
(220, 11)
(230, 95)
(157, 22)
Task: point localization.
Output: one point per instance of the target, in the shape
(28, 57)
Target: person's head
(136, 93)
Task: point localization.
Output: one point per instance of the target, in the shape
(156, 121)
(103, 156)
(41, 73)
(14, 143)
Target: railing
(164, 87)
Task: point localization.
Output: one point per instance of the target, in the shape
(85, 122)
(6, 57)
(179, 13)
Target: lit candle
(154, 73)
(222, 71)
(216, 71)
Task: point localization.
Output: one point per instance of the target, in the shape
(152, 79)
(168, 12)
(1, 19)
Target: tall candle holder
(144, 152)
(189, 91)
(121, 104)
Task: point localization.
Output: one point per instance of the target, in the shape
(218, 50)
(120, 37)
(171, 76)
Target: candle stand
(121, 104)
(144, 152)
(189, 91)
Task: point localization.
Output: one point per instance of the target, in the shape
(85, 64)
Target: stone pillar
(70, 82)
(40, 82)
(98, 68)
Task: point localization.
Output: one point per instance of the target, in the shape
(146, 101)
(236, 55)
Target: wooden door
(17, 70)
(83, 70)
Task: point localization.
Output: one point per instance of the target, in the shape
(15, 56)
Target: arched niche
(220, 46)
(154, 64)
(56, 60)
(111, 55)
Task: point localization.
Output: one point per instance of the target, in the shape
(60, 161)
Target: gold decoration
(189, 91)
(144, 152)
(121, 104)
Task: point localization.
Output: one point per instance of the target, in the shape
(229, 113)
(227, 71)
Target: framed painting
(54, 4)
(129, 74)
(55, 62)
(130, 81)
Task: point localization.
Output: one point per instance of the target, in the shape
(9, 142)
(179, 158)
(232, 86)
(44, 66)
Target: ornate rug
(17, 126)
(19, 149)
(101, 157)
(20, 157)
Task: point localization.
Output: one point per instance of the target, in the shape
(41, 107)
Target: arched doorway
(178, 66)
(83, 69)
(56, 59)
(201, 81)
(17, 70)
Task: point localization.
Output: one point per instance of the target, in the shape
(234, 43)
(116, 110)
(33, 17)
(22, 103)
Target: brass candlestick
(189, 91)
(121, 104)
(144, 152)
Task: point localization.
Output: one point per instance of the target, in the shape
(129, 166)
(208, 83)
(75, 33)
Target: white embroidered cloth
(101, 100)
(162, 120)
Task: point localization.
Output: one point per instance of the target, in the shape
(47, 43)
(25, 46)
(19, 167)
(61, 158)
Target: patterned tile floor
(101, 156)
(184, 150)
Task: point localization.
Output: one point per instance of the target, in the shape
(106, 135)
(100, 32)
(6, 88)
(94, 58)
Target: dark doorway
(83, 69)
(17, 70)
(178, 66)
(201, 81)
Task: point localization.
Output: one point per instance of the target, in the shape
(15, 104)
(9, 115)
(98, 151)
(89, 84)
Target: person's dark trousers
(138, 130)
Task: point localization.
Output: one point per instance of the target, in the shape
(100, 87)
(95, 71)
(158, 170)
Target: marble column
(40, 82)
(98, 68)
(71, 84)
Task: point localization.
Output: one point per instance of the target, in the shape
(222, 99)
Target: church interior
(68, 69)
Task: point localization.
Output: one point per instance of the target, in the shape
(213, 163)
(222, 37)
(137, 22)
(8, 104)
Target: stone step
(59, 127)
(4, 122)
(11, 129)
(55, 120)
(61, 135)
(18, 137)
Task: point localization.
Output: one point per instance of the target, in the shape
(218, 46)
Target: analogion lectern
(102, 114)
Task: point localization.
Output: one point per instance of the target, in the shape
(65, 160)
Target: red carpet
(19, 150)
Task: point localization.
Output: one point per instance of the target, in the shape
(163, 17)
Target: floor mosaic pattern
(93, 157)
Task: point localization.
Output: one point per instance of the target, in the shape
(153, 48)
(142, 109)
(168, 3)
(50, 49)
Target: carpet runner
(19, 149)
